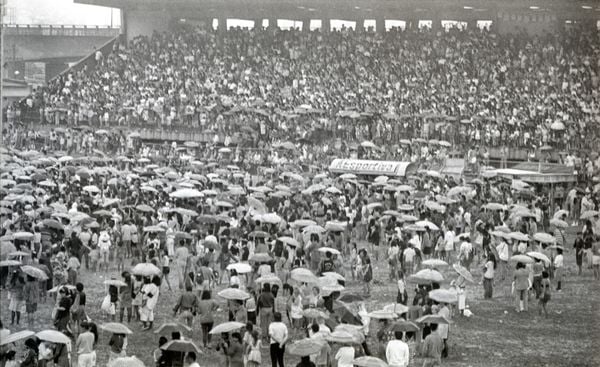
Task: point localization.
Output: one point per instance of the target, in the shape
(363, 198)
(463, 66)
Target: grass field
(494, 336)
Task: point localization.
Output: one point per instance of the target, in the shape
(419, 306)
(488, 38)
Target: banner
(369, 167)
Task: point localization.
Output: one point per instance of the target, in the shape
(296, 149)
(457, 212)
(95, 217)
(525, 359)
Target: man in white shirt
(502, 250)
(409, 257)
(449, 245)
(278, 334)
(396, 352)
(345, 356)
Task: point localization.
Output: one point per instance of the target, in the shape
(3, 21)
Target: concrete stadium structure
(535, 16)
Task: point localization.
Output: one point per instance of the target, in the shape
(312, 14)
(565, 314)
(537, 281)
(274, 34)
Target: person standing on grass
(278, 335)
(104, 245)
(488, 276)
(150, 292)
(431, 349)
(558, 269)
(396, 352)
(126, 294)
(85, 344)
(265, 306)
(521, 285)
(596, 258)
(31, 293)
(206, 308)
(444, 329)
(545, 290)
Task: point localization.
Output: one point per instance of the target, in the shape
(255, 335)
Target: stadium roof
(360, 9)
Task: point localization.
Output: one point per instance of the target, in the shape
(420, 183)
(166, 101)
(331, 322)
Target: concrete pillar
(325, 25)
(472, 24)
(412, 23)
(380, 25)
(258, 23)
(436, 23)
(306, 25)
(272, 23)
(360, 25)
(222, 26)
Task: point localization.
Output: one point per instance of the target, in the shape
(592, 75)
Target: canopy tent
(372, 168)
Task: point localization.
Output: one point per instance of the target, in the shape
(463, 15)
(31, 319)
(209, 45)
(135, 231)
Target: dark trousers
(445, 349)
(206, 327)
(277, 355)
(487, 287)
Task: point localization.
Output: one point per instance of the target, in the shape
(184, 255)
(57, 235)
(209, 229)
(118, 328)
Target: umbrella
(519, 236)
(342, 337)
(560, 213)
(313, 229)
(557, 125)
(433, 319)
(494, 206)
(368, 361)
(326, 249)
(22, 236)
(368, 144)
(559, 223)
(289, 241)
(355, 330)
(210, 240)
(182, 346)
(463, 272)
(269, 279)
(589, 214)
(145, 208)
(334, 275)
(404, 326)
(544, 237)
(260, 257)
(18, 254)
(539, 256)
(91, 189)
(313, 313)
(126, 362)
(443, 295)
(234, 294)
(305, 347)
(52, 224)
(522, 259)
(154, 229)
(34, 272)
(258, 234)
(10, 263)
(427, 276)
(382, 315)
(145, 269)
(169, 327)
(102, 213)
(186, 194)
(240, 268)
(53, 336)
(116, 328)
(397, 308)
(303, 275)
(434, 262)
(427, 224)
(15, 337)
(227, 327)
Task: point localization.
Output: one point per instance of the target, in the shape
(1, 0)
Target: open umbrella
(589, 214)
(182, 346)
(434, 263)
(116, 328)
(463, 272)
(522, 259)
(519, 236)
(342, 337)
(115, 282)
(397, 308)
(289, 241)
(23, 236)
(15, 337)
(494, 206)
(313, 313)
(269, 279)
(432, 319)
(34, 272)
(382, 315)
(145, 269)
(227, 327)
(368, 361)
(444, 295)
(10, 263)
(145, 208)
(427, 224)
(351, 297)
(426, 276)
(559, 223)
(234, 294)
(53, 336)
(126, 362)
(326, 249)
(404, 326)
(305, 347)
(170, 327)
(303, 275)
(544, 237)
(539, 256)
(154, 229)
(240, 268)
(186, 194)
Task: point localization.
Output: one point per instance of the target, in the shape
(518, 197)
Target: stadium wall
(143, 22)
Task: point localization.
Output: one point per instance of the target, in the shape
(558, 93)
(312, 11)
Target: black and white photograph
(308, 183)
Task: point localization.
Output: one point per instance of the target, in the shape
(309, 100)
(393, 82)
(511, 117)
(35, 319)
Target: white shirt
(489, 270)
(278, 332)
(397, 353)
(449, 240)
(558, 261)
(443, 328)
(345, 356)
(502, 249)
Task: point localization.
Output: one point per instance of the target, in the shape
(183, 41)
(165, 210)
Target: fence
(59, 30)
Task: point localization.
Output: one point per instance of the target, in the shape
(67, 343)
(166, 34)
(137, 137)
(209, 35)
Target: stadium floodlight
(534, 7)
(467, 7)
(586, 7)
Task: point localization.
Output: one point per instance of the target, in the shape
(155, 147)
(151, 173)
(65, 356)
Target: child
(558, 266)
(402, 296)
(545, 293)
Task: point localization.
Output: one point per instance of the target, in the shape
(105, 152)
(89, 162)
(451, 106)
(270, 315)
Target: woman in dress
(150, 292)
(253, 355)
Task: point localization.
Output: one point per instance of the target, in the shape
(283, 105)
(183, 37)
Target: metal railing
(59, 30)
